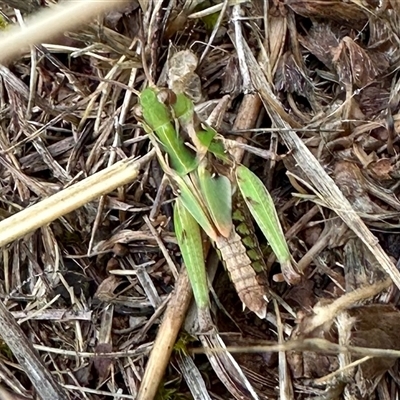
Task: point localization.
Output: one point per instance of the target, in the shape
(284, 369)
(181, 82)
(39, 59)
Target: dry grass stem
(168, 332)
(70, 199)
(52, 22)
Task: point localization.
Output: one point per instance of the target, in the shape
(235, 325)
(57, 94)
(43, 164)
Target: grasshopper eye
(138, 112)
(166, 96)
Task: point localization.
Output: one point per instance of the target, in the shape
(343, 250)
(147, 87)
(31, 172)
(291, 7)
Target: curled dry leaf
(232, 79)
(319, 39)
(106, 289)
(344, 13)
(360, 266)
(103, 364)
(352, 183)
(289, 76)
(381, 169)
(277, 26)
(369, 326)
(181, 75)
(114, 17)
(353, 64)
(375, 326)
(395, 5)
(333, 46)
(374, 99)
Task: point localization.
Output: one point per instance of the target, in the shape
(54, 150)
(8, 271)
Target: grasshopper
(205, 179)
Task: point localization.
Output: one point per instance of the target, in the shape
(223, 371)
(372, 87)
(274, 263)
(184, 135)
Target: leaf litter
(95, 291)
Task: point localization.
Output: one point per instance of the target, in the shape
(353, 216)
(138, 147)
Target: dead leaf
(103, 364)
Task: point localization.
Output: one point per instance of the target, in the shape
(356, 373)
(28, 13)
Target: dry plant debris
(95, 292)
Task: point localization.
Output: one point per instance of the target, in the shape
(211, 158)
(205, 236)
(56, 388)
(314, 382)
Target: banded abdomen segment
(234, 255)
(244, 226)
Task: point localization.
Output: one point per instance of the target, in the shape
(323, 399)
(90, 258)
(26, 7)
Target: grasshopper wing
(262, 207)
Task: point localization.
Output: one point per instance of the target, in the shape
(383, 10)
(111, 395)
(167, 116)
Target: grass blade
(262, 207)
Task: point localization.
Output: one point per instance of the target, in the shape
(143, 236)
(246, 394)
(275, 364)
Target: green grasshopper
(206, 179)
